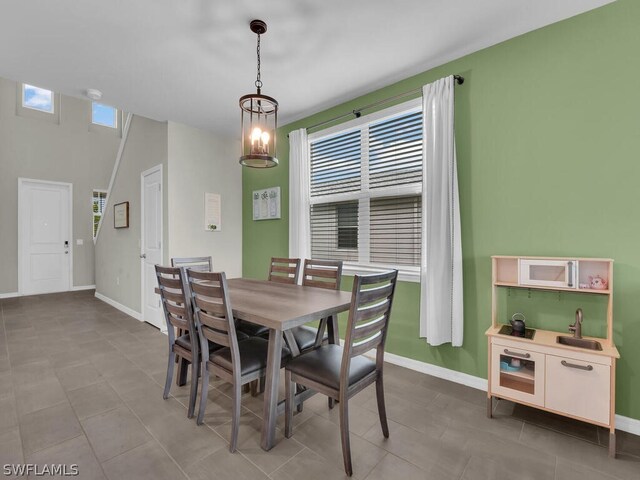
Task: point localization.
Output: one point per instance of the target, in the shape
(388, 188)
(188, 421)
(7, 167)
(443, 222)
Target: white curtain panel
(299, 224)
(441, 311)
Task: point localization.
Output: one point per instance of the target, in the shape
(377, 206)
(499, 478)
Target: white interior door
(44, 236)
(151, 254)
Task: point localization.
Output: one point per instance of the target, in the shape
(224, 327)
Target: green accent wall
(548, 138)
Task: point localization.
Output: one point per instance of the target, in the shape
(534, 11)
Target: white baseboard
(436, 371)
(83, 287)
(119, 306)
(626, 424)
(73, 289)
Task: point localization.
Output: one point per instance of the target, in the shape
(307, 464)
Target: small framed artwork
(212, 212)
(266, 204)
(121, 215)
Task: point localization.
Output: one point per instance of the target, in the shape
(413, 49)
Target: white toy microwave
(548, 273)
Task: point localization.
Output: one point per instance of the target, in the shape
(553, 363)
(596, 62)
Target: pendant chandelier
(259, 119)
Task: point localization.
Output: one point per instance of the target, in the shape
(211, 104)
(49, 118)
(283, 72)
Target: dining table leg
(332, 330)
(270, 407)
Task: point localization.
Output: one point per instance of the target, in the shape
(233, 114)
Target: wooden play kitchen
(560, 372)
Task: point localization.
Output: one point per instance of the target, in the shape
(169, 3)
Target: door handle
(144, 255)
(517, 354)
(588, 368)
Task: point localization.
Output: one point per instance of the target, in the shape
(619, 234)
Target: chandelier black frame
(258, 119)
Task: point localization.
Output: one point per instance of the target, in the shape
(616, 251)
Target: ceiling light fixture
(258, 119)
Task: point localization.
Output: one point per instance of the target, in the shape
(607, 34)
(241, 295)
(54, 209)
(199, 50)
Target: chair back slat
(214, 322)
(211, 291)
(168, 282)
(371, 301)
(174, 297)
(208, 305)
(217, 337)
(372, 311)
(322, 273)
(213, 313)
(203, 264)
(175, 303)
(363, 347)
(321, 284)
(365, 330)
(375, 294)
(177, 315)
(284, 270)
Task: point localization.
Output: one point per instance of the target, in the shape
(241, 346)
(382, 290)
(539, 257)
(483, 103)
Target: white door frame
(157, 168)
(21, 182)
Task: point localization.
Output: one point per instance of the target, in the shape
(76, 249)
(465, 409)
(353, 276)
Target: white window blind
(365, 192)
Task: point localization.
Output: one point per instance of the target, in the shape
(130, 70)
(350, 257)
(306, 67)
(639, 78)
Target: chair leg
(254, 388)
(331, 402)
(183, 371)
(193, 393)
(263, 381)
(235, 421)
(288, 404)
(344, 435)
(382, 410)
(204, 389)
(167, 383)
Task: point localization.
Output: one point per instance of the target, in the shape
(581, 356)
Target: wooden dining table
(281, 307)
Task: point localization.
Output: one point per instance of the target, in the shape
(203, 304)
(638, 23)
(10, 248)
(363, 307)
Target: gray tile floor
(80, 383)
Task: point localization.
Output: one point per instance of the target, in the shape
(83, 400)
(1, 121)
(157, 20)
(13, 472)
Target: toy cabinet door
(578, 388)
(517, 374)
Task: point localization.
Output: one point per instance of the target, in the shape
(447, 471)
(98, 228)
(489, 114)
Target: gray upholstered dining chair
(320, 274)
(238, 363)
(183, 346)
(341, 372)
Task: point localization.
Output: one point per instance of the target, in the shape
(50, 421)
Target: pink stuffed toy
(598, 283)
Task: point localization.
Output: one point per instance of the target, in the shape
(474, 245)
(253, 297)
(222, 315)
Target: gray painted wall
(65, 152)
(118, 251)
(201, 162)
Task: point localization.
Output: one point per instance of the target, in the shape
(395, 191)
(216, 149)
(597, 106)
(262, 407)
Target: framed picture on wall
(121, 215)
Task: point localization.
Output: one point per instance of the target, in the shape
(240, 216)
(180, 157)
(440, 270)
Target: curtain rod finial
(459, 79)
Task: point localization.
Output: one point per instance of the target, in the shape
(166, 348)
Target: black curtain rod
(358, 112)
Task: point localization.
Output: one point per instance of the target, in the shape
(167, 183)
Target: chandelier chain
(258, 81)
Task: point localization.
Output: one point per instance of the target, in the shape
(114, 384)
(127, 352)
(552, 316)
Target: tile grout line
(466, 466)
(147, 430)
(304, 447)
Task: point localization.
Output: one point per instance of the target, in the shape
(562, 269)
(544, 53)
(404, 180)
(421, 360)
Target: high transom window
(366, 191)
(104, 115)
(37, 98)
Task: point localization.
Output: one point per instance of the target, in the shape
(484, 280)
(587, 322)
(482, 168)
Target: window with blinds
(366, 191)
(99, 203)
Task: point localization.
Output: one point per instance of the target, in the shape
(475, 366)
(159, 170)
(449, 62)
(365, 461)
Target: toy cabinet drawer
(578, 388)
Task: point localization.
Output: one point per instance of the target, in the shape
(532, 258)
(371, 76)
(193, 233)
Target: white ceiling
(190, 60)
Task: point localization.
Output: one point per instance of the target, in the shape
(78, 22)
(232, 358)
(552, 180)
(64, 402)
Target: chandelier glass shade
(258, 119)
